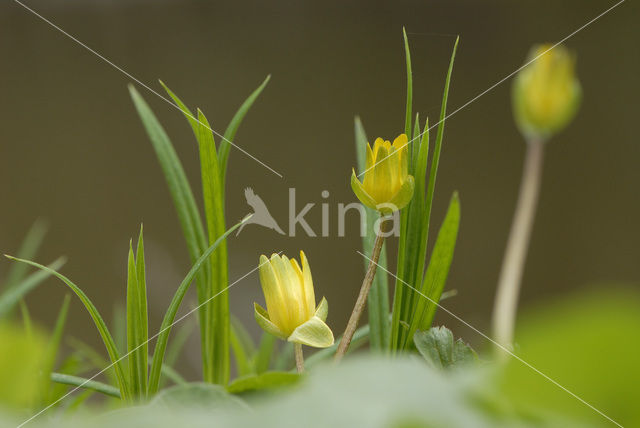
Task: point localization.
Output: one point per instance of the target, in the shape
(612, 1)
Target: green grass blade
(12, 296)
(143, 330)
(230, 132)
(97, 319)
(28, 250)
(411, 252)
(175, 176)
(378, 299)
(438, 269)
(53, 349)
(165, 328)
(184, 202)
(135, 343)
(26, 319)
(433, 170)
(81, 382)
(262, 359)
(217, 311)
(241, 350)
(408, 114)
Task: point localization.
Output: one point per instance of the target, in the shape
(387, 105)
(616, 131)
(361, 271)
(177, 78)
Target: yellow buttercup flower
(546, 93)
(387, 185)
(291, 312)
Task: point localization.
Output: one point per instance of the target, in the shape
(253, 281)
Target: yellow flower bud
(387, 186)
(546, 93)
(291, 312)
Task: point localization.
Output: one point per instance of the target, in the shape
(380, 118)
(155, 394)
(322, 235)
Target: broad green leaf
(378, 299)
(167, 323)
(438, 347)
(438, 269)
(83, 383)
(114, 355)
(257, 382)
(12, 296)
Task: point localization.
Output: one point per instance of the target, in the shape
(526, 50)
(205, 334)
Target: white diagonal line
(495, 343)
(130, 76)
(499, 82)
(139, 346)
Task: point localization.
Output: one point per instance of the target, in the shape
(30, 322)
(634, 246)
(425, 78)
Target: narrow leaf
(167, 323)
(230, 132)
(97, 319)
(438, 269)
(93, 385)
(12, 296)
(408, 114)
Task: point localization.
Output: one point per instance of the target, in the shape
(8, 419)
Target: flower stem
(297, 350)
(506, 302)
(362, 297)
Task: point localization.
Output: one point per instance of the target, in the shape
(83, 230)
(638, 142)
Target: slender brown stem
(506, 302)
(297, 350)
(362, 297)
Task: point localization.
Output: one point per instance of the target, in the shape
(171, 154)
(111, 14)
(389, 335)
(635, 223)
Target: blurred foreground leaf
(438, 347)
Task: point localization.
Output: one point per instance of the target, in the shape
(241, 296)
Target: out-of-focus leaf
(197, 395)
(12, 296)
(438, 347)
(588, 343)
(267, 380)
(28, 250)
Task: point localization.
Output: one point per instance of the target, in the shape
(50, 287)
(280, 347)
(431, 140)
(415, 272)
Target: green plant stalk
(297, 351)
(352, 325)
(378, 300)
(506, 302)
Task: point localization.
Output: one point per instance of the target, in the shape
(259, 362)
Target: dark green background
(72, 149)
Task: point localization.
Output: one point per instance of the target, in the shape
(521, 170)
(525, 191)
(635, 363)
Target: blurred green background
(72, 149)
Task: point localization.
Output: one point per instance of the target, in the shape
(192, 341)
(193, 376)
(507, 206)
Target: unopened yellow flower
(291, 312)
(546, 93)
(387, 185)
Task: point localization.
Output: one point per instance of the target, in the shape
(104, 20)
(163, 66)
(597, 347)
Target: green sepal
(313, 333)
(262, 318)
(322, 310)
(361, 194)
(404, 195)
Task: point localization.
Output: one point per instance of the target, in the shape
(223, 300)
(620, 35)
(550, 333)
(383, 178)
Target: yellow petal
(381, 190)
(309, 294)
(272, 292)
